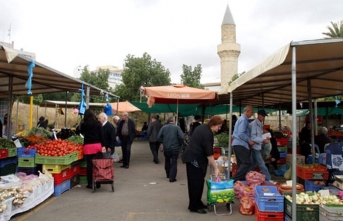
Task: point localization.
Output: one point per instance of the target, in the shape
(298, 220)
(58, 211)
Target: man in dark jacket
(152, 132)
(109, 133)
(172, 137)
(126, 131)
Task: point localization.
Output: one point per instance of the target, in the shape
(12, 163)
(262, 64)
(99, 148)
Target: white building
(115, 77)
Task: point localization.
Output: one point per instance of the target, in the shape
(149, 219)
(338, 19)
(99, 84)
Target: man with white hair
(109, 133)
(322, 139)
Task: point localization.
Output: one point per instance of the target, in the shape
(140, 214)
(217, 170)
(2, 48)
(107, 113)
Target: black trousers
(195, 181)
(243, 157)
(170, 164)
(89, 158)
(126, 150)
(154, 147)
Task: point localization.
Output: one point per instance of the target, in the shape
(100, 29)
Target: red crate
(83, 171)
(307, 173)
(281, 161)
(76, 169)
(268, 216)
(3, 153)
(63, 176)
(217, 152)
(282, 141)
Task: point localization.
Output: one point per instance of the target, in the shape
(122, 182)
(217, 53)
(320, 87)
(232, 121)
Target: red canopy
(124, 106)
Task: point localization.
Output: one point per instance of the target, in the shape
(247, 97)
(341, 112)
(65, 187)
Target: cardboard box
(300, 159)
(338, 185)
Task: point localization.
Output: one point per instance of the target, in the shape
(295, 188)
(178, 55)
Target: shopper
(256, 135)
(126, 132)
(109, 133)
(242, 143)
(93, 142)
(152, 132)
(194, 124)
(171, 136)
(42, 122)
(197, 156)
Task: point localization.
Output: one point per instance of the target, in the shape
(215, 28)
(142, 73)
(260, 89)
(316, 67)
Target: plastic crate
(310, 186)
(74, 181)
(282, 149)
(26, 162)
(283, 154)
(28, 170)
(12, 152)
(66, 174)
(83, 171)
(305, 212)
(80, 155)
(8, 169)
(282, 141)
(76, 169)
(62, 160)
(83, 179)
(306, 173)
(287, 218)
(269, 199)
(83, 163)
(25, 152)
(330, 213)
(54, 169)
(3, 153)
(268, 216)
(9, 160)
(59, 189)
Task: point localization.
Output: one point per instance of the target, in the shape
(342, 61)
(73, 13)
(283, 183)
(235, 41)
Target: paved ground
(136, 198)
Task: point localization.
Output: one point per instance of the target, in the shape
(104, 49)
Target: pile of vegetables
(39, 131)
(6, 143)
(223, 139)
(18, 194)
(56, 148)
(316, 198)
(33, 139)
(76, 139)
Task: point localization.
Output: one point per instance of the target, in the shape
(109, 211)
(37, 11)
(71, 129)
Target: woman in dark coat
(197, 156)
(93, 141)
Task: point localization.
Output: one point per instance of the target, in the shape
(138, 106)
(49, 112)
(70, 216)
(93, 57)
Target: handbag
(118, 143)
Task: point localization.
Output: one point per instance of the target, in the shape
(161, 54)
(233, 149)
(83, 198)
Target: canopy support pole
(230, 135)
(294, 132)
(280, 126)
(309, 90)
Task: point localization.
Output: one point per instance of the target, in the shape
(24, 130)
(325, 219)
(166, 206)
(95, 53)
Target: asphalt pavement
(142, 193)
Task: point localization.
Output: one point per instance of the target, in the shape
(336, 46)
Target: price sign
(317, 176)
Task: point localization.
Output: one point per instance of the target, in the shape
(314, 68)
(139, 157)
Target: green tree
(98, 79)
(141, 71)
(336, 31)
(37, 100)
(191, 77)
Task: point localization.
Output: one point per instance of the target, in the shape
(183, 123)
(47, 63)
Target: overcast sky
(67, 33)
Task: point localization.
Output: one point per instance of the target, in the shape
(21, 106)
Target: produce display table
(40, 194)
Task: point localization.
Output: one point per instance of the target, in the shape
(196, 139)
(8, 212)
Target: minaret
(228, 51)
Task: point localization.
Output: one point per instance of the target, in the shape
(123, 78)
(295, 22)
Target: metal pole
(230, 135)
(309, 90)
(294, 132)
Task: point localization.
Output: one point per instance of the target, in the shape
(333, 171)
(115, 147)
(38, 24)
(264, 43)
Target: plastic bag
(246, 206)
(115, 157)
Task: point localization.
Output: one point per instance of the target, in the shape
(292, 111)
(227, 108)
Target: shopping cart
(219, 191)
(103, 172)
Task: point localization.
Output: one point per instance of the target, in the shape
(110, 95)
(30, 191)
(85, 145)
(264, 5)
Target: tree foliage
(191, 77)
(37, 100)
(335, 31)
(98, 78)
(141, 71)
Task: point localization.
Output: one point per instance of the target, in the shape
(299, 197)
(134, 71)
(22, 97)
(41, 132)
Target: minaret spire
(228, 50)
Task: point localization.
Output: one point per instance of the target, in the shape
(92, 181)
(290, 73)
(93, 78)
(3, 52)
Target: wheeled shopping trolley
(103, 172)
(219, 191)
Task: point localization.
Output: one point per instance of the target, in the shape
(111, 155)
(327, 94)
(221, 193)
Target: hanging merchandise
(28, 84)
(108, 108)
(82, 105)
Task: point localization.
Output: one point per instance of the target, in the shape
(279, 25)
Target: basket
(308, 174)
(268, 216)
(26, 162)
(8, 169)
(62, 160)
(25, 152)
(269, 199)
(305, 212)
(310, 186)
(12, 152)
(54, 169)
(28, 170)
(330, 213)
(59, 189)
(3, 153)
(74, 181)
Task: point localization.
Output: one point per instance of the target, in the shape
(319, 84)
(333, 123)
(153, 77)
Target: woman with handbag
(197, 156)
